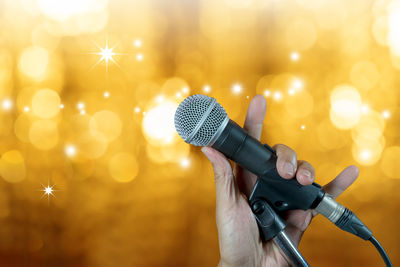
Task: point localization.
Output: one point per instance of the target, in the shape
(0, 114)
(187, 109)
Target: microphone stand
(272, 226)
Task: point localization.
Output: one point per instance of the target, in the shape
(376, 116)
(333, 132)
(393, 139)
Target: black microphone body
(236, 144)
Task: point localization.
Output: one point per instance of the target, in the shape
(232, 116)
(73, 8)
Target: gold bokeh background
(88, 90)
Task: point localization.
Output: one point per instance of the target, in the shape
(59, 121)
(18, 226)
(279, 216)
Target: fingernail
(288, 168)
(204, 150)
(306, 174)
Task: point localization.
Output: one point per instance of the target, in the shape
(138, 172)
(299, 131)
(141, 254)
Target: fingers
(253, 125)
(342, 181)
(287, 161)
(305, 173)
(255, 116)
(225, 185)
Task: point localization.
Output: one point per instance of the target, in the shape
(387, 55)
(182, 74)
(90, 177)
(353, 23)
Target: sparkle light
(48, 190)
(365, 108)
(185, 90)
(303, 127)
(267, 93)
(237, 88)
(70, 150)
(106, 94)
(184, 163)
(61, 106)
(7, 104)
(139, 57)
(278, 96)
(291, 91)
(136, 109)
(80, 105)
(137, 42)
(294, 56)
(83, 112)
(106, 54)
(386, 114)
(297, 84)
(206, 89)
(26, 109)
(178, 94)
(160, 98)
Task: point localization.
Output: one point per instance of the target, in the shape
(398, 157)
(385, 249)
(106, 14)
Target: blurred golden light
(7, 104)
(123, 167)
(278, 96)
(369, 128)
(303, 127)
(70, 150)
(46, 103)
(82, 112)
(33, 62)
(367, 153)
(365, 108)
(12, 166)
(61, 106)
(158, 123)
(43, 134)
(185, 90)
(21, 127)
(178, 94)
(237, 88)
(107, 123)
(80, 105)
(386, 114)
(106, 94)
(301, 33)
(364, 75)
(294, 56)
(137, 42)
(184, 163)
(26, 109)
(394, 27)
(390, 164)
(267, 93)
(300, 105)
(291, 91)
(92, 144)
(139, 57)
(206, 89)
(65, 9)
(345, 106)
(297, 84)
(136, 109)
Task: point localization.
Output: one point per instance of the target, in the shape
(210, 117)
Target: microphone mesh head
(198, 119)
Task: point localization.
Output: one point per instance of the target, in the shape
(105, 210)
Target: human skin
(239, 239)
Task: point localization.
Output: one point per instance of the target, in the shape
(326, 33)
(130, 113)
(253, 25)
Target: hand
(239, 240)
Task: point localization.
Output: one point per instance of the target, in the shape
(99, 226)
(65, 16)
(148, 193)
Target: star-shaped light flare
(106, 54)
(48, 190)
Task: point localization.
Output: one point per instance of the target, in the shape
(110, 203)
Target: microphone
(201, 121)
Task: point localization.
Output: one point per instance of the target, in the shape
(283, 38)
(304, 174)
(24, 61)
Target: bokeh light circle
(123, 167)
(390, 164)
(12, 166)
(43, 134)
(46, 103)
(33, 62)
(107, 123)
(345, 106)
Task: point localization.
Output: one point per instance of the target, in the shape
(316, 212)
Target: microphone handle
(235, 143)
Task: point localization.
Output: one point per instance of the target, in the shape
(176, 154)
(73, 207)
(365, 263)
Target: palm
(239, 239)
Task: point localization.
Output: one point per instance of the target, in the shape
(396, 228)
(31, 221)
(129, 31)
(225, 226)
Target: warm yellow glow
(345, 106)
(61, 106)
(386, 114)
(394, 28)
(80, 105)
(106, 94)
(267, 93)
(46, 103)
(123, 167)
(184, 163)
(65, 9)
(300, 105)
(158, 123)
(33, 62)
(136, 109)
(303, 127)
(297, 84)
(277, 96)
(70, 150)
(364, 75)
(237, 88)
(185, 90)
(294, 56)
(12, 166)
(206, 89)
(107, 123)
(139, 57)
(137, 43)
(368, 153)
(26, 109)
(92, 144)
(43, 134)
(7, 104)
(390, 164)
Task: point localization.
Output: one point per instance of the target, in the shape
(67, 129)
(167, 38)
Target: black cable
(378, 246)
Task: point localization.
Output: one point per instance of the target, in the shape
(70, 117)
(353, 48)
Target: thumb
(227, 191)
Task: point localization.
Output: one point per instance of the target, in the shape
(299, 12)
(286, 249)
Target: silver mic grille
(199, 119)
